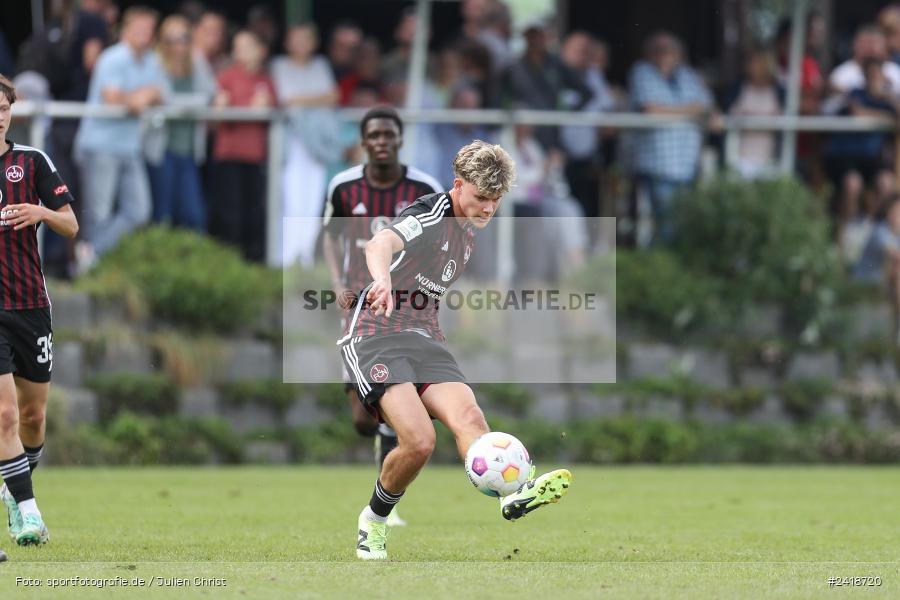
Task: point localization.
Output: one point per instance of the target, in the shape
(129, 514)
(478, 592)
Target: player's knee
(421, 446)
(32, 417)
(9, 422)
(472, 418)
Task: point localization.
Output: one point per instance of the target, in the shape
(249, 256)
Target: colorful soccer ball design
(497, 464)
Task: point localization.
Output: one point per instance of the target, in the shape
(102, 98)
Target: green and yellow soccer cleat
(33, 531)
(546, 489)
(13, 516)
(372, 544)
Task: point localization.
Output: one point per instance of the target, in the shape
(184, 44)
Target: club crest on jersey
(449, 271)
(378, 223)
(379, 373)
(467, 254)
(400, 207)
(14, 173)
(360, 209)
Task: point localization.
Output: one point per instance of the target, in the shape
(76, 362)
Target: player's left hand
(381, 297)
(21, 216)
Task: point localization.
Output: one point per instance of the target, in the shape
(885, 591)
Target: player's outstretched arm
(379, 251)
(61, 220)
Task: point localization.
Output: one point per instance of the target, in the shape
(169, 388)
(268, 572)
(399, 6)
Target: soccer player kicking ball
(31, 192)
(361, 201)
(393, 345)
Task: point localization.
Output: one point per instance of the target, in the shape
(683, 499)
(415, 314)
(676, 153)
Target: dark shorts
(26, 344)
(377, 362)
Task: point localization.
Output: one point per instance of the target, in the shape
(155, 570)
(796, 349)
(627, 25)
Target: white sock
(369, 515)
(29, 507)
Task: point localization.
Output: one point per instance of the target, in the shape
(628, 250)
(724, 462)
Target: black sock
(386, 444)
(17, 476)
(33, 455)
(382, 501)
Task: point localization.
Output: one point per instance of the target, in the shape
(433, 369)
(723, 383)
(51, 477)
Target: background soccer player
(394, 348)
(31, 192)
(373, 194)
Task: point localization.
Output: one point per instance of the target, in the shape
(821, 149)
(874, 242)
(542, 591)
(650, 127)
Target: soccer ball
(497, 464)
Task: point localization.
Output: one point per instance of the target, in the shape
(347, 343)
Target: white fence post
(732, 148)
(37, 138)
(274, 167)
(798, 37)
(506, 243)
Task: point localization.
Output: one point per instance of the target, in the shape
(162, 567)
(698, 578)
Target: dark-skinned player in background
(362, 201)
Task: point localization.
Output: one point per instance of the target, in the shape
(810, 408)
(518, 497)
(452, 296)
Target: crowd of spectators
(129, 172)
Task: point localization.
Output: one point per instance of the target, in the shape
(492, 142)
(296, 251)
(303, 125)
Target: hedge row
(155, 394)
(186, 279)
(801, 400)
(739, 243)
(141, 440)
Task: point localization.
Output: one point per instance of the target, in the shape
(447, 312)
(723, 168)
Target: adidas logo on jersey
(446, 246)
(360, 209)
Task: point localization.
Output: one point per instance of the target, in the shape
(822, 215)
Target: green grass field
(634, 532)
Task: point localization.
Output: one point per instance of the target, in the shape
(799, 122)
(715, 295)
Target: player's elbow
(71, 231)
(373, 245)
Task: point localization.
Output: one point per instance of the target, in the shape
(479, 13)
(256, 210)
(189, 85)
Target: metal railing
(733, 127)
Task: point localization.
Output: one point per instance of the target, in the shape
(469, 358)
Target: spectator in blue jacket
(180, 145)
(666, 159)
(109, 151)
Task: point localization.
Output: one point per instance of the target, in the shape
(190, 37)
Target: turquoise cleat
(33, 531)
(13, 516)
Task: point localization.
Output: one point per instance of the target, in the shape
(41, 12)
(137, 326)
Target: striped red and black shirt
(28, 177)
(366, 210)
(436, 250)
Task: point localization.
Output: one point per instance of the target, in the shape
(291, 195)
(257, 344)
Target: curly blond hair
(486, 166)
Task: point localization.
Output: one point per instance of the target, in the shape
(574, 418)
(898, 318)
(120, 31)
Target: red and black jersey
(28, 177)
(367, 210)
(436, 250)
